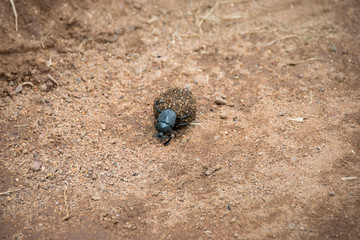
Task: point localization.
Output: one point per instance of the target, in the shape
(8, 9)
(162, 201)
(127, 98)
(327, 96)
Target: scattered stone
(293, 159)
(103, 126)
(220, 101)
(11, 83)
(340, 77)
(282, 114)
(19, 88)
(96, 197)
(93, 176)
(223, 116)
(334, 48)
(35, 166)
(331, 193)
(302, 228)
(43, 87)
(208, 173)
(52, 170)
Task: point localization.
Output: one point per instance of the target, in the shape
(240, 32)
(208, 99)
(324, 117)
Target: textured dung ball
(180, 100)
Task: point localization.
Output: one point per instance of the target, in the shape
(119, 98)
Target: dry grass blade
(234, 1)
(10, 191)
(15, 14)
(234, 16)
(208, 14)
(348, 178)
(68, 216)
(296, 119)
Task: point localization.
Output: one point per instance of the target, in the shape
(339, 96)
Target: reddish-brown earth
(279, 160)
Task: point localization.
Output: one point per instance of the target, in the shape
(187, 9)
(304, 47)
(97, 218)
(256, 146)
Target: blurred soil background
(274, 152)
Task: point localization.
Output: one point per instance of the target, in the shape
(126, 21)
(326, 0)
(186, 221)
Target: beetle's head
(163, 130)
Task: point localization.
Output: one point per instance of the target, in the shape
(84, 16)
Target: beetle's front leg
(168, 141)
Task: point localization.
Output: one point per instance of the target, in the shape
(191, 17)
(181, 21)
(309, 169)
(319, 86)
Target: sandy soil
(280, 159)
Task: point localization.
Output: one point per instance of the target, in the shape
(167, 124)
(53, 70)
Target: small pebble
(219, 101)
(93, 176)
(11, 83)
(103, 126)
(96, 197)
(334, 48)
(35, 166)
(43, 87)
(282, 114)
(332, 193)
(208, 173)
(223, 116)
(19, 88)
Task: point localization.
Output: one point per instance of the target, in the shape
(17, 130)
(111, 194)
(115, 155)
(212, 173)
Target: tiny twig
(10, 191)
(167, 234)
(28, 83)
(49, 62)
(15, 14)
(53, 79)
(68, 216)
(22, 125)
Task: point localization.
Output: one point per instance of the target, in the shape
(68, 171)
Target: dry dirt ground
(279, 160)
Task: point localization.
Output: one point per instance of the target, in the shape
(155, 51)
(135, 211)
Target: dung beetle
(166, 122)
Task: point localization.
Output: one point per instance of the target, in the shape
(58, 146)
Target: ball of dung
(180, 100)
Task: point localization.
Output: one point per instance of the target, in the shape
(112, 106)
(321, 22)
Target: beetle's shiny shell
(180, 100)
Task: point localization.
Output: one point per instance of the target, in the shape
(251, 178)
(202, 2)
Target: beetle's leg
(168, 141)
(181, 124)
(157, 107)
(184, 116)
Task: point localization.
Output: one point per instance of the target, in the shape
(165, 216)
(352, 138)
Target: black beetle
(166, 122)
